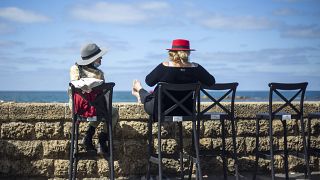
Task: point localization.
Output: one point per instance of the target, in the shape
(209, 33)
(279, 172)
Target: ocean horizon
(126, 96)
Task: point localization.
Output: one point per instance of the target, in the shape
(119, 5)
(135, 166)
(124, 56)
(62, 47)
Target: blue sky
(251, 42)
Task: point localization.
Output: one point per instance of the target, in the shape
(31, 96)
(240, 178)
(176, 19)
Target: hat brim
(180, 49)
(92, 59)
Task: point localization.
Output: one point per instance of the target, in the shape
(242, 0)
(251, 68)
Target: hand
(86, 89)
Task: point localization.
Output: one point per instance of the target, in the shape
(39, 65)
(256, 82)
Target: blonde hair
(179, 56)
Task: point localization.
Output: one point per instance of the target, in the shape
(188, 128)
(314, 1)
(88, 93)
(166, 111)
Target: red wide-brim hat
(180, 45)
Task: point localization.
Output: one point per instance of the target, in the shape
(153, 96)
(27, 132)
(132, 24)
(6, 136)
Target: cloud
(236, 22)
(119, 13)
(286, 12)
(8, 44)
(22, 16)
(5, 28)
(301, 31)
(298, 61)
(290, 1)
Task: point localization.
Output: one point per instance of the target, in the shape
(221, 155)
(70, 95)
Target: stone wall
(35, 141)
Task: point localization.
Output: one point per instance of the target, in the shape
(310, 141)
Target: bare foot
(136, 86)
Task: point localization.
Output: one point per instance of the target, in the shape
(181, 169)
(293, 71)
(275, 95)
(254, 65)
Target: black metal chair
(283, 115)
(169, 115)
(312, 150)
(225, 89)
(103, 107)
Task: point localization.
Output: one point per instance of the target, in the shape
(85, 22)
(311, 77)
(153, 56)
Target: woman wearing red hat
(178, 70)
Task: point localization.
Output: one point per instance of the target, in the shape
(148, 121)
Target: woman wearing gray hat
(87, 67)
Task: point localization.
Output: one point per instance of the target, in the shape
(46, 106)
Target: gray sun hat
(90, 53)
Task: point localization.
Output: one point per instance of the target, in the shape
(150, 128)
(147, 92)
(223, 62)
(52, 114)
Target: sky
(250, 42)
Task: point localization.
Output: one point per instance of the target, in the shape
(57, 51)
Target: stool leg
(159, 149)
(224, 162)
(181, 149)
(76, 150)
(256, 149)
(71, 162)
(111, 149)
(234, 144)
(190, 167)
(286, 169)
(271, 148)
(309, 136)
(150, 143)
(196, 146)
(306, 157)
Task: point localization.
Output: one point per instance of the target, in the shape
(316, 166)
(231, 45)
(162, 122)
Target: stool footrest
(154, 160)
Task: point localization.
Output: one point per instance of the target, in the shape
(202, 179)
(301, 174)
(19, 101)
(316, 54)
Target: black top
(179, 75)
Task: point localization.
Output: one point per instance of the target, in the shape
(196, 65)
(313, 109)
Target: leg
(143, 97)
(103, 136)
(87, 140)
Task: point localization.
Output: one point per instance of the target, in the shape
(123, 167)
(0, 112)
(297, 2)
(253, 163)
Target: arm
(74, 73)
(205, 77)
(153, 77)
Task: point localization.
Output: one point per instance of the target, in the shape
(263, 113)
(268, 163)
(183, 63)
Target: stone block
(4, 109)
(47, 130)
(136, 149)
(103, 168)
(26, 168)
(310, 107)
(17, 130)
(205, 143)
(43, 167)
(37, 111)
(61, 168)
(248, 110)
(56, 149)
(16, 150)
(87, 168)
(133, 129)
(169, 146)
(250, 144)
(246, 128)
(315, 127)
(67, 128)
(131, 111)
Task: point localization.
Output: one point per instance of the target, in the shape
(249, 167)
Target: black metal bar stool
(171, 108)
(282, 115)
(103, 105)
(225, 89)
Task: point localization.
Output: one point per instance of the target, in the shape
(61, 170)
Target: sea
(125, 96)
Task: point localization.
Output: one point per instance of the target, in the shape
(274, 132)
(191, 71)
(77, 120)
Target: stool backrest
(276, 88)
(179, 96)
(229, 87)
(102, 100)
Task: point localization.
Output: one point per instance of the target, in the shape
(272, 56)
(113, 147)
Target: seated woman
(87, 67)
(178, 71)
